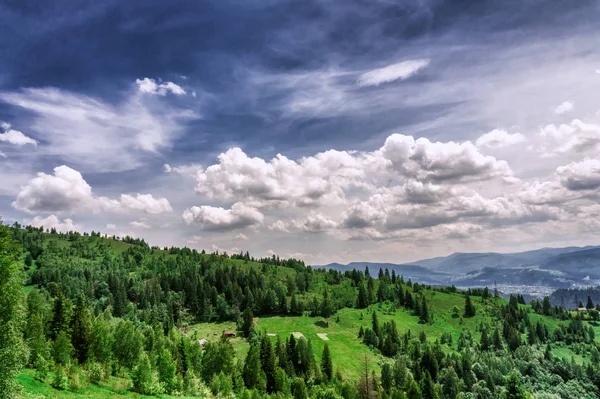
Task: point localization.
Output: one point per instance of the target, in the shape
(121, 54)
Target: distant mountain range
(540, 271)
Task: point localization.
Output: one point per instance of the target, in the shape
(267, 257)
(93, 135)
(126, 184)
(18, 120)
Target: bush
(78, 380)
(42, 367)
(60, 381)
(96, 373)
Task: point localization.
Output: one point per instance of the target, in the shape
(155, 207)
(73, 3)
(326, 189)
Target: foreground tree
(326, 364)
(366, 390)
(247, 322)
(513, 388)
(12, 316)
(82, 330)
(251, 371)
(142, 376)
(469, 307)
(267, 361)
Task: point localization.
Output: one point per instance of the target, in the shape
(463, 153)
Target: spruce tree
(362, 300)
(294, 305)
(247, 322)
(142, 376)
(424, 313)
(292, 350)
(60, 318)
(252, 368)
(299, 389)
(62, 349)
(81, 328)
(166, 370)
(485, 340)
(326, 364)
(267, 361)
(513, 388)
(469, 307)
(497, 340)
(590, 304)
(428, 387)
(375, 323)
(386, 378)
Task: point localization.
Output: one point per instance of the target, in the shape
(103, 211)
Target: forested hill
(100, 317)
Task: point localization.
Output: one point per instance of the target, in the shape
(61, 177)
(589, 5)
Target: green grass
(347, 350)
(213, 331)
(565, 353)
(113, 388)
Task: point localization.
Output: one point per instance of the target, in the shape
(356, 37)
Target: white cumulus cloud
(67, 191)
(220, 219)
(53, 222)
(150, 86)
(583, 175)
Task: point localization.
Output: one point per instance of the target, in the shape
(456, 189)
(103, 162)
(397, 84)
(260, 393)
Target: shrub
(77, 380)
(96, 373)
(60, 381)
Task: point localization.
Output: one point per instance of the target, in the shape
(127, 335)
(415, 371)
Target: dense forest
(80, 310)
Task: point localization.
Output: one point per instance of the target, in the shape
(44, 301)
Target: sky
(329, 131)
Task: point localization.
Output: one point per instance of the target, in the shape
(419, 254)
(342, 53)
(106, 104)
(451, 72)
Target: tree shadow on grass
(322, 324)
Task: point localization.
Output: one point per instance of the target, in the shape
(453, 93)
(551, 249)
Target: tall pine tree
(81, 327)
(326, 364)
(267, 361)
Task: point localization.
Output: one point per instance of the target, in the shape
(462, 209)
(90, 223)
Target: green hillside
(108, 317)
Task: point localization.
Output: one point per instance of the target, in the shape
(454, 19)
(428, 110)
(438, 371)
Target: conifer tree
(294, 305)
(375, 323)
(247, 322)
(326, 364)
(299, 389)
(590, 304)
(81, 328)
(485, 340)
(292, 351)
(166, 370)
(469, 307)
(252, 367)
(62, 349)
(142, 376)
(424, 312)
(514, 390)
(412, 388)
(60, 319)
(428, 389)
(386, 378)
(362, 300)
(267, 361)
(497, 340)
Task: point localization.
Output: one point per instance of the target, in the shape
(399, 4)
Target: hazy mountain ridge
(553, 268)
(408, 271)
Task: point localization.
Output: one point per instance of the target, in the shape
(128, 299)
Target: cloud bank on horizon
(329, 132)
